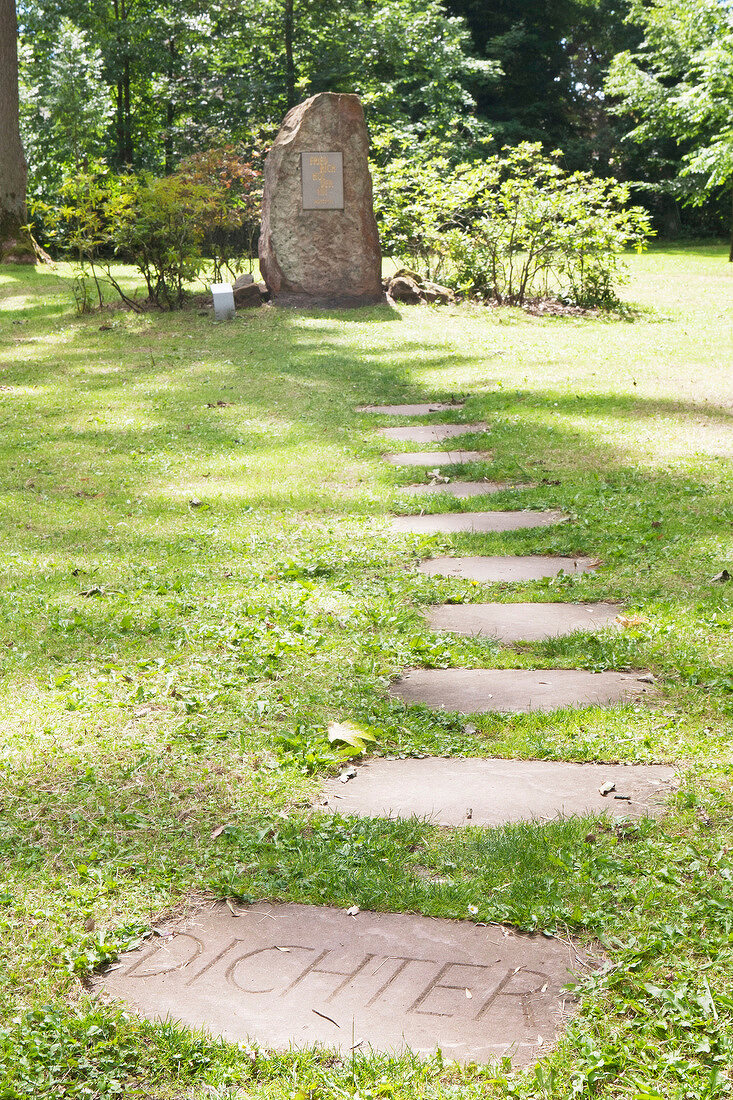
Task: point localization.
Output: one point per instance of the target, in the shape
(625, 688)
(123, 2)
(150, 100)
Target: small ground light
(223, 296)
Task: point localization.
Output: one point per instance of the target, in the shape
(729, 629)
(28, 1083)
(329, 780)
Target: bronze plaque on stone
(295, 975)
(322, 180)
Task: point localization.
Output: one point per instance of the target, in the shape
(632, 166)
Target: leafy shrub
(167, 227)
(229, 208)
(512, 227)
(79, 226)
(154, 224)
(416, 203)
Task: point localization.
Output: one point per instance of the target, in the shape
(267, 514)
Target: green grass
(167, 667)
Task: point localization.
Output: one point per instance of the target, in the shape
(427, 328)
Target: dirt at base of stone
(248, 293)
(407, 286)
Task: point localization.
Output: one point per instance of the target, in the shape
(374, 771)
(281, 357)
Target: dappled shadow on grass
(170, 666)
(603, 405)
(173, 446)
(288, 384)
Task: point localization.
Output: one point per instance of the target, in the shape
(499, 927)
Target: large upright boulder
(319, 243)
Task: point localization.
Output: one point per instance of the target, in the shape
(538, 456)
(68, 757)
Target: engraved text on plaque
(322, 178)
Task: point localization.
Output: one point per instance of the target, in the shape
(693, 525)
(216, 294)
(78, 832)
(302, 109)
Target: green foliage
(65, 108)
(169, 227)
(49, 1052)
(512, 227)
(228, 207)
(78, 225)
(416, 201)
(155, 226)
(179, 78)
(142, 86)
(679, 85)
(553, 58)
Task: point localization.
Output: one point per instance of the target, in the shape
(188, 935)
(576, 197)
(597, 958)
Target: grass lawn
(197, 575)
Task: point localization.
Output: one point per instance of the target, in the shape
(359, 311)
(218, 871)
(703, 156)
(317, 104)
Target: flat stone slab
(409, 410)
(482, 791)
(448, 522)
(517, 690)
(462, 489)
(528, 622)
(494, 570)
(431, 433)
(437, 458)
(299, 975)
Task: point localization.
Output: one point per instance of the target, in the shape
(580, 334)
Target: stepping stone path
(449, 522)
(462, 489)
(288, 975)
(285, 975)
(431, 433)
(518, 690)
(528, 622)
(409, 410)
(495, 570)
(437, 458)
(495, 792)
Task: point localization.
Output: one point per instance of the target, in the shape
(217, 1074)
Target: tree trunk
(16, 245)
(127, 157)
(730, 254)
(123, 117)
(289, 63)
(119, 124)
(169, 110)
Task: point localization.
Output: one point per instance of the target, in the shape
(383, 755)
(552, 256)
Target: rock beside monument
(248, 293)
(408, 286)
(404, 289)
(319, 243)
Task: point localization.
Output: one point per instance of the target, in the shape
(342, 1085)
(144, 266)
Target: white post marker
(223, 296)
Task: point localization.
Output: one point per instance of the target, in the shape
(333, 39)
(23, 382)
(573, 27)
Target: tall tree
(185, 74)
(288, 16)
(65, 108)
(554, 55)
(679, 86)
(15, 242)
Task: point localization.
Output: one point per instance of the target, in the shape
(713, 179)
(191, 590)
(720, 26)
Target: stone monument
(319, 244)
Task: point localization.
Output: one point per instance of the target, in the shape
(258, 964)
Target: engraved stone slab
(410, 410)
(437, 458)
(322, 181)
(494, 570)
(448, 522)
(528, 622)
(299, 975)
(432, 433)
(462, 489)
(485, 791)
(517, 691)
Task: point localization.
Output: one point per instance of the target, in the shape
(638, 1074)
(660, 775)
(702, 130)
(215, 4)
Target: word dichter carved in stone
(294, 975)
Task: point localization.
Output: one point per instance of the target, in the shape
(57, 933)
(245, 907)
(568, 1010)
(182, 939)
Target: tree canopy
(678, 87)
(637, 89)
